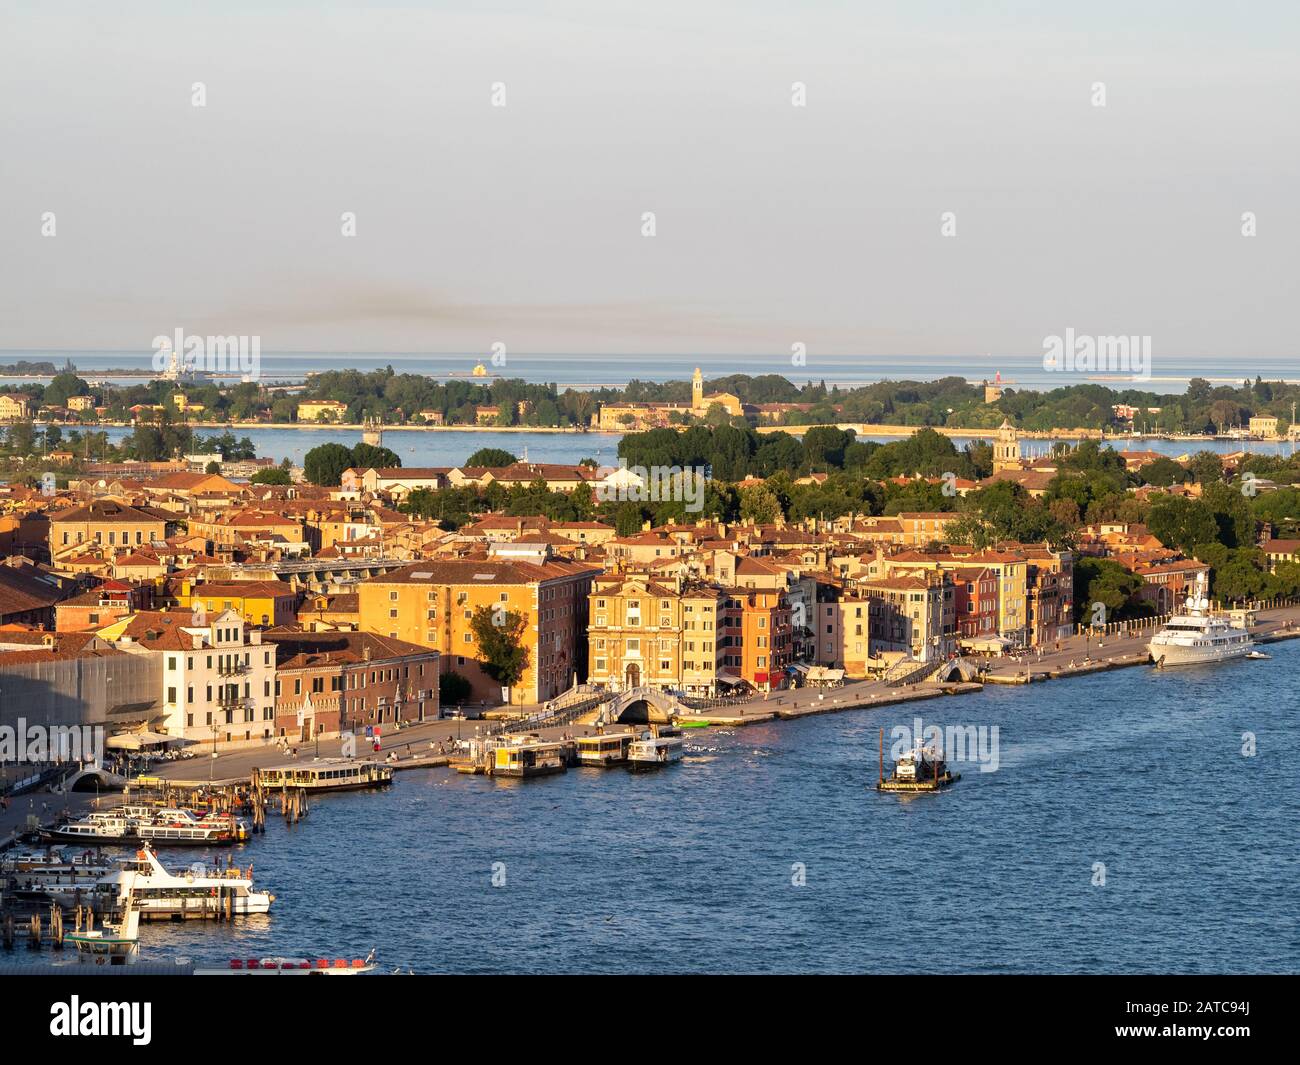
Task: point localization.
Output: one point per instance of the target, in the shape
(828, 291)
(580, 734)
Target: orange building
(433, 603)
(762, 640)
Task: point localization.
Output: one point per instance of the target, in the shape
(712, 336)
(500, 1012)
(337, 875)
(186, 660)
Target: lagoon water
(690, 869)
(451, 447)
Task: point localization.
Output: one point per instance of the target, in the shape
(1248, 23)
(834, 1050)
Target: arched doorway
(634, 676)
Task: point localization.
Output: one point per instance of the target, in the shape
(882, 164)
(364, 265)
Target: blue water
(689, 869)
(452, 447)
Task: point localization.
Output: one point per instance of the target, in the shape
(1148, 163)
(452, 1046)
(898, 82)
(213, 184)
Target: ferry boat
(96, 829)
(327, 774)
(530, 757)
(606, 750)
(51, 862)
(173, 827)
(1197, 635)
(158, 894)
(921, 769)
(36, 876)
(653, 750)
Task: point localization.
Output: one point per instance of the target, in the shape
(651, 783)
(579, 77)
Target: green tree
(63, 387)
(368, 456)
(1102, 580)
(1182, 523)
(492, 457)
(21, 438)
(274, 475)
(498, 634)
(1162, 472)
(452, 688)
(324, 465)
(759, 504)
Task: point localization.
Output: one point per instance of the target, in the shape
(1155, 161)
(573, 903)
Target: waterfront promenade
(429, 743)
(418, 745)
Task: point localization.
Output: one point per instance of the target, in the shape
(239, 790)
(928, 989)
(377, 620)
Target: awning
(824, 673)
(729, 679)
(134, 741)
(989, 643)
(799, 667)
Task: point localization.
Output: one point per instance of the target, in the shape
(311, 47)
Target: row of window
(112, 537)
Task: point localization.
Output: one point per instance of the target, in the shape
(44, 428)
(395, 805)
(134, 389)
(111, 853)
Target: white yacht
(196, 892)
(1197, 635)
(156, 893)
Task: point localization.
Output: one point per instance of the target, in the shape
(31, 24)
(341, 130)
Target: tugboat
(1197, 636)
(918, 770)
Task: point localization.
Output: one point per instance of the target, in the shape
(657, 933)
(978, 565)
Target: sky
(774, 224)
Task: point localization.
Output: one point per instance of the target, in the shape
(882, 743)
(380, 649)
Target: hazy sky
(775, 224)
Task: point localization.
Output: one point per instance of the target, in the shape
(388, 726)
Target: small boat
(1259, 655)
(1197, 636)
(656, 748)
(294, 967)
(920, 769)
(604, 750)
(113, 944)
(686, 722)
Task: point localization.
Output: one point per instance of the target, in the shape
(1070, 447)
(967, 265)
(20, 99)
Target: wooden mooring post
(294, 804)
(258, 799)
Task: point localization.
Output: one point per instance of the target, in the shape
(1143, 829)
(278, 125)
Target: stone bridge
(642, 706)
(93, 778)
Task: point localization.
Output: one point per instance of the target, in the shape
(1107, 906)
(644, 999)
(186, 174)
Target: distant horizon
(581, 371)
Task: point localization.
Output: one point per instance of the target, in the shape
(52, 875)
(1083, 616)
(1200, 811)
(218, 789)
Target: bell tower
(697, 390)
(1006, 448)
